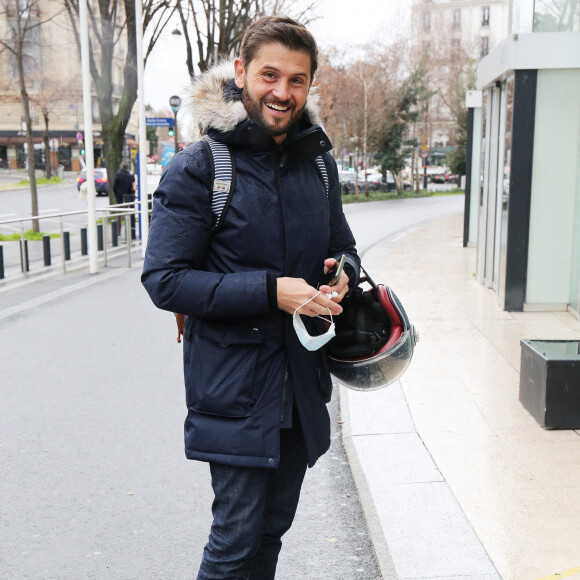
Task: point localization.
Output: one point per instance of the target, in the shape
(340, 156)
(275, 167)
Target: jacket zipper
(281, 163)
(283, 414)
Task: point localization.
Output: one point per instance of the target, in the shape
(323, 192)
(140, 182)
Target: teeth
(277, 107)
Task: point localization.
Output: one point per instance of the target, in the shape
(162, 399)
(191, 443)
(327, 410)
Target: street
(94, 481)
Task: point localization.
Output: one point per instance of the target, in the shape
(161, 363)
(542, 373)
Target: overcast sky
(341, 22)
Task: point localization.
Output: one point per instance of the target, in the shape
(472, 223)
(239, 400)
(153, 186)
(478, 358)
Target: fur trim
(207, 106)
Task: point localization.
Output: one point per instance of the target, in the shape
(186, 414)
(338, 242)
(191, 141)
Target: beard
(276, 127)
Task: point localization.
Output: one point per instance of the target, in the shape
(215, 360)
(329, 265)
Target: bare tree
(113, 33)
(216, 28)
(48, 97)
(23, 42)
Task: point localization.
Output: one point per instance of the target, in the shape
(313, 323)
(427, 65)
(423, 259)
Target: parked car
(100, 180)
(347, 182)
(452, 178)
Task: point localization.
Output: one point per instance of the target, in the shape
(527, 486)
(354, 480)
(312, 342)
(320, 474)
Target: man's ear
(239, 73)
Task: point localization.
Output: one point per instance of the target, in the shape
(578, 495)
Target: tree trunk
(28, 121)
(47, 155)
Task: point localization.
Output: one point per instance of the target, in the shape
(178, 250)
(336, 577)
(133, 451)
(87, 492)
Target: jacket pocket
(222, 369)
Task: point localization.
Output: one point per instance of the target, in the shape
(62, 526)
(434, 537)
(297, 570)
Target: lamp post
(175, 103)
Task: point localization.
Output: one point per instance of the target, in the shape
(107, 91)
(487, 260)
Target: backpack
(223, 179)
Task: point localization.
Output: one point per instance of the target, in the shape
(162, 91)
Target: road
(93, 481)
(53, 199)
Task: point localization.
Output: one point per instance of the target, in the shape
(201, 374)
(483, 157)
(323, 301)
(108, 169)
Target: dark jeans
(252, 509)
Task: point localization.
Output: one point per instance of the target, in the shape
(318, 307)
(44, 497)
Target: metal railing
(17, 263)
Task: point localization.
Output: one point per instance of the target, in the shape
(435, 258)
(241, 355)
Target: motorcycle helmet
(374, 339)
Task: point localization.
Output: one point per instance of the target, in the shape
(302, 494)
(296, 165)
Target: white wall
(554, 187)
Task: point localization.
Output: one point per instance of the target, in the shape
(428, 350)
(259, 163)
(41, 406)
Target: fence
(66, 240)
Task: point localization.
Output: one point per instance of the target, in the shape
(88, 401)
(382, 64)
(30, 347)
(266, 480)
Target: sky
(341, 22)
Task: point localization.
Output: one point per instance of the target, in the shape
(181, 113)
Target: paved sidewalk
(458, 480)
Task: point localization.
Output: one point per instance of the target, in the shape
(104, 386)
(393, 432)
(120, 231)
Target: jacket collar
(215, 107)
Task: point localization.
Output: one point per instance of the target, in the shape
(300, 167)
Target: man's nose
(282, 90)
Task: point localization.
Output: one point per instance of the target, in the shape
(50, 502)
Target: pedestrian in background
(257, 382)
(124, 190)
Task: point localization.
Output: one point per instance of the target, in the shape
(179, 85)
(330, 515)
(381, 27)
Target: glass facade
(557, 16)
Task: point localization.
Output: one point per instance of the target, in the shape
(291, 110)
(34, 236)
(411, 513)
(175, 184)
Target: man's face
(275, 87)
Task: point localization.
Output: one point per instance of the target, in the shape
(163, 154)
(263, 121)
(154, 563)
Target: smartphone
(332, 276)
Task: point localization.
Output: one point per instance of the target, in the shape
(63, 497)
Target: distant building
(450, 34)
(524, 191)
(53, 80)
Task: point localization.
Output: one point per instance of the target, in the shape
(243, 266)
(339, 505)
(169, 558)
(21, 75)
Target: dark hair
(283, 30)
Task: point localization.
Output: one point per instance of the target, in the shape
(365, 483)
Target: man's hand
(294, 292)
(341, 286)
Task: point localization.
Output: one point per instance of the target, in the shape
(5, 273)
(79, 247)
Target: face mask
(312, 342)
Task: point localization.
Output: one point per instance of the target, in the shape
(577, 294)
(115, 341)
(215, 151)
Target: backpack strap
(321, 166)
(223, 179)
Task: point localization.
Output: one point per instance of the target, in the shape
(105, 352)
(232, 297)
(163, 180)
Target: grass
(41, 181)
(28, 235)
(383, 195)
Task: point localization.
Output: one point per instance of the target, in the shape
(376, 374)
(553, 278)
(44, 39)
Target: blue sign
(158, 121)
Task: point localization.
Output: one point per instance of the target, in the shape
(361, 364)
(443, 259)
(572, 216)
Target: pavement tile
(428, 534)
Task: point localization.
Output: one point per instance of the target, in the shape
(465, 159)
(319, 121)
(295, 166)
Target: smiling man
(257, 380)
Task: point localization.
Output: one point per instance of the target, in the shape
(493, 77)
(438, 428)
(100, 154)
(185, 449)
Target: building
(524, 204)
(450, 34)
(53, 80)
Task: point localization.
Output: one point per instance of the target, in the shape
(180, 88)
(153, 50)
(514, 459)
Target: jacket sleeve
(341, 239)
(179, 237)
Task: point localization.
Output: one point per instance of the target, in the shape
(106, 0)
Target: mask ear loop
(331, 321)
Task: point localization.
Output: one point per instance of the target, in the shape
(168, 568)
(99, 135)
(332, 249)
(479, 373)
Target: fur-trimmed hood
(214, 101)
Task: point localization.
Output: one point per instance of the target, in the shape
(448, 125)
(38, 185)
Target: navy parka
(244, 367)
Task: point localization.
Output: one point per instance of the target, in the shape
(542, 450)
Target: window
(426, 21)
(457, 19)
(425, 47)
(485, 16)
(484, 46)
(455, 46)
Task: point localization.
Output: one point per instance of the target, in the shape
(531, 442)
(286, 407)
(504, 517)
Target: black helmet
(374, 339)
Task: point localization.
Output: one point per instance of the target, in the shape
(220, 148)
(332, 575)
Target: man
(124, 190)
(256, 396)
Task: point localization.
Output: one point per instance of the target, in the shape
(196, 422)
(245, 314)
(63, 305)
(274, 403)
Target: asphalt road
(94, 483)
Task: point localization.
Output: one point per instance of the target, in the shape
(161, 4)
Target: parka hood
(215, 102)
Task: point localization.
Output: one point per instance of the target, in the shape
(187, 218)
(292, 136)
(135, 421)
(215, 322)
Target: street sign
(158, 122)
(424, 154)
(175, 102)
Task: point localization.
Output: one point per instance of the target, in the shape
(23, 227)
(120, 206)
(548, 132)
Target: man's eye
(298, 81)
(270, 76)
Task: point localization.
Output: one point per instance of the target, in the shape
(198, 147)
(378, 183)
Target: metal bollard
(84, 242)
(100, 242)
(46, 250)
(114, 234)
(66, 239)
(24, 261)
(1, 263)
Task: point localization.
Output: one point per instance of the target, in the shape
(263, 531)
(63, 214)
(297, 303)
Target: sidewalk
(459, 481)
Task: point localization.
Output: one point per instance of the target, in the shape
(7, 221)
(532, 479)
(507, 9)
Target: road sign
(424, 154)
(175, 102)
(158, 122)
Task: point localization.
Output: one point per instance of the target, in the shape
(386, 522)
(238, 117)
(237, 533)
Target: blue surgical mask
(312, 342)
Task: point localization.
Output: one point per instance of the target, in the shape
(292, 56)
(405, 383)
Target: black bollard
(46, 250)
(114, 234)
(24, 261)
(66, 241)
(84, 242)
(1, 263)
(100, 243)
